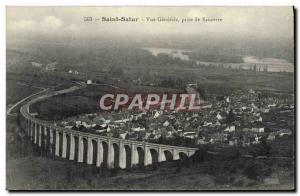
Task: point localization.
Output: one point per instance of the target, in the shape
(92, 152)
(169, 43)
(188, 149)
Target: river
(271, 64)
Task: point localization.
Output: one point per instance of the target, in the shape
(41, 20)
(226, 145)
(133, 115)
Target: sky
(250, 22)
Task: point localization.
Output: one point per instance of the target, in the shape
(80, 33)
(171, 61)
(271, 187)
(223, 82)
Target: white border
(153, 2)
(5, 3)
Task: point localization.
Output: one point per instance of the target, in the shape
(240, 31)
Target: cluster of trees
(170, 82)
(176, 141)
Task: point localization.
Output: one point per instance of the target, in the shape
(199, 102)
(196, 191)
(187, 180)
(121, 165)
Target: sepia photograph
(150, 98)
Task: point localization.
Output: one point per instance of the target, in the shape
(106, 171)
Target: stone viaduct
(92, 148)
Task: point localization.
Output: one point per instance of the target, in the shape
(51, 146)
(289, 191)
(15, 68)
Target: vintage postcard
(150, 98)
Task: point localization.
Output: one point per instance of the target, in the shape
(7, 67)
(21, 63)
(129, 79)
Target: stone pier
(100, 153)
(80, 149)
(64, 145)
(72, 147)
(90, 151)
(111, 155)
(57, 143)
(122, 156)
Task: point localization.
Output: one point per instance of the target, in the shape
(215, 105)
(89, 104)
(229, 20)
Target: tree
(256, 171)
(168, 82)
(179, 84)
(264, 147)
(202, 93)
(116, 71)
(200, 155)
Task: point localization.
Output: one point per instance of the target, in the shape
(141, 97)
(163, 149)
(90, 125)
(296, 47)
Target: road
(8, 112)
